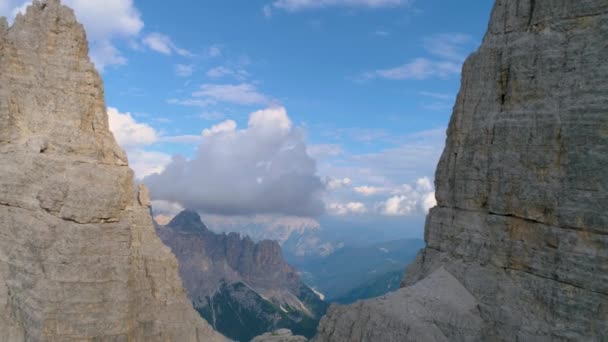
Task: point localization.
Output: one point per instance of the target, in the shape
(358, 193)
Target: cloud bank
(261, 169)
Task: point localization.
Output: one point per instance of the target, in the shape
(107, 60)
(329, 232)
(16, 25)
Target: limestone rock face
(79, 257)
(282, 335)
(522, 215)
(437, 308)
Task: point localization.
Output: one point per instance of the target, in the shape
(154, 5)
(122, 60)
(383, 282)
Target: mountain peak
(67, 192)
(188, 220)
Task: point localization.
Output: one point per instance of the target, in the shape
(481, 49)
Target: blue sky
(363, 89)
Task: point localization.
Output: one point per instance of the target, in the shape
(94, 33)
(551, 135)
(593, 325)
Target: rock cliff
(521, 223)
(79, 257)
(241, 287)
(281, 335)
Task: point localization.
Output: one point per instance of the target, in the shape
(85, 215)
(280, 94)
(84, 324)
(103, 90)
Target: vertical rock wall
(522, 190)
(79, 257)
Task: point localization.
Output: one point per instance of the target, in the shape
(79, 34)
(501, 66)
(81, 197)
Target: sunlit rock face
(79, 257)
(522, 217)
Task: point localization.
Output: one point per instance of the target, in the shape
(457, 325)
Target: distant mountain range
(241, 287)
(353, 273)
(316, 237)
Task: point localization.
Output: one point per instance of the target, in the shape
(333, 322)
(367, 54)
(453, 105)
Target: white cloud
(390, 182)
(409, 200)
(163, 44)
(184, 70)
(338, 183)
(223, 127)
(134, 137)
(349, 208)
(128, 132)
(448, 51)
(106, 22)
(428, 201)
(244, 94)
(261, 169)
(424, 184)
(272, 120)
(145, 163)
(367, 190)
(299, 5)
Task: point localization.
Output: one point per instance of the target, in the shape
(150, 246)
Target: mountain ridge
(242, 287)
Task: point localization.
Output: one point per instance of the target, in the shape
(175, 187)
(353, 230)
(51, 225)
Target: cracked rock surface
(522, 215)
(79, 257)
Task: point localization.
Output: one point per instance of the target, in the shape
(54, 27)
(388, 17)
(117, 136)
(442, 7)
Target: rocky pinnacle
(79, 257)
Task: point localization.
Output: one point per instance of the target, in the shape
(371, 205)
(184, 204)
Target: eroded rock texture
(282, 335)
(79, 258)
(522, 188)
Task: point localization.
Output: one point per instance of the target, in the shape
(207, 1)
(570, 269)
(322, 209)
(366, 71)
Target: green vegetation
(241, 314)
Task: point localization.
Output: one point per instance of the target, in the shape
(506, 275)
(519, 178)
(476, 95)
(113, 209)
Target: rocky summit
(241, 287)
(79, 257)
(517, 247)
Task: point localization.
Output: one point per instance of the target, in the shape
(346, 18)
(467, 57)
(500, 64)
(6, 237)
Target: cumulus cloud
(349, 208)
(162, 43)
(128, 132)
(367, 190)
(338, 183)
(146, 163)
(105, 22)
(223, 127)
(448, 51)
(260, 169)
(134, 137)
(410, 200)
